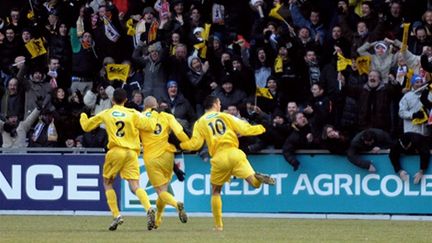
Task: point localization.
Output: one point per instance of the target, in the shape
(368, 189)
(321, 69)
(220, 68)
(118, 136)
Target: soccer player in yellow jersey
(159, 157)
(122, 125)
(220, 131)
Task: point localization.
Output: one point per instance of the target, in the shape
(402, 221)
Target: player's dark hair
(119, 96)
(209, 101)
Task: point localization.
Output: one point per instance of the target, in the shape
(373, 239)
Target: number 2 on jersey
(217, 127)
(120, 126)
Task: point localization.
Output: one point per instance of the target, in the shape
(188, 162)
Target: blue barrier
(324, 184)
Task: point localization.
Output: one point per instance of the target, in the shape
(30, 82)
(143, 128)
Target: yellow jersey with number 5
(220, 131)
(122, 125)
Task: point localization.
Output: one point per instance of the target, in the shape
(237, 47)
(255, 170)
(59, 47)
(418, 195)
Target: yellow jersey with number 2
(122, 125)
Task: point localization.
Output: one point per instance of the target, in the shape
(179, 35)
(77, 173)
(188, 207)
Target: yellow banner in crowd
(405, 36)
(342, 62)
(202, 46)
(274, 12)
(363, 63)
(117, 71)
(36, 47)
(264, 92)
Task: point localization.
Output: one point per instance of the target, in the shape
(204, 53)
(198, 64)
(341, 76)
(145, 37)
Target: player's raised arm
(177, 129)
(242, 127)
(196, 140)
(88, 124)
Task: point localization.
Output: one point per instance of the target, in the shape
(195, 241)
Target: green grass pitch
(199, 229)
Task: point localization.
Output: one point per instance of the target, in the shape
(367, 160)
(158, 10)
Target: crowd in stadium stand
(346, 76)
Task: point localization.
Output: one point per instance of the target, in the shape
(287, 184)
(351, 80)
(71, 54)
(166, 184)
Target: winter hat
(381, 44)
(191, 58)
(155, 47)
(414, 79)
(198, 29)
(148, 10)
(171, 83)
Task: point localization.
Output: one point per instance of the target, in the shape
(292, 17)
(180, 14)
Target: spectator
(320, 111)
(336, 141)
(101, 100)
(349, 120)
(300, 138)
(10, 48)
(85, 62)
(154, 68)
(303, 42)
(136, 101)
(419, 40)
(373, 102)
(228, 95)
(262, 68)
(57, 75)
(383, 58)
(318, 32)
(175, 103)
(177, 69)
(369, 140)
(410, 107)
(243, 76)
(44, 132)
(410, 143)
(35, 85)
(14, 131)
(201, 80)
(12, 101)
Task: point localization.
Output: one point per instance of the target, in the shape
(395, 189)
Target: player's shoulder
(166, 115)
(150, 113)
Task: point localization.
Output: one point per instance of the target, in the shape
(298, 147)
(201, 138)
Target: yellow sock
(143, 198)
(255, 182)
(112, 202)
(160, 205)
(216, 204)
(167, 198)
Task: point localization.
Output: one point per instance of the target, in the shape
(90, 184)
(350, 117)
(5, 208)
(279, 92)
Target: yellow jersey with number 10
(220, 131)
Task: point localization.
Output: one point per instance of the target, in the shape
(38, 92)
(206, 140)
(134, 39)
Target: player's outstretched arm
(196, 140)
(177, 129)
(88, 124)
(244, 128)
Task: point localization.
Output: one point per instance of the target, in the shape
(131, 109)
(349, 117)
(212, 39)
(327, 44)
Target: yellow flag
(205, 34)
(130, 27)
(418, 121)
(30, 15)
(264, 92)
(363, 64)
(36, 47)
(117, 71)
(342, 62)
(202, 46)
(274, 12)
(405, 36)
(278, 65)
